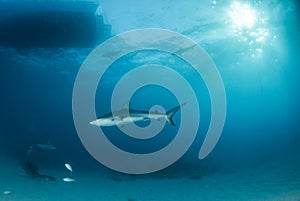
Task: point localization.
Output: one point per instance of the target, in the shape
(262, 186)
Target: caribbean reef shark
(127, 115)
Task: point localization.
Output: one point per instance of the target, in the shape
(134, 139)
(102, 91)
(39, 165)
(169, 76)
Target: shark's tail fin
(171, 113)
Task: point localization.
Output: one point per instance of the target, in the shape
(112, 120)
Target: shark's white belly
(117, 121)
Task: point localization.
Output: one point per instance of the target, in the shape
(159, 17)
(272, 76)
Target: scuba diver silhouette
(30, 166)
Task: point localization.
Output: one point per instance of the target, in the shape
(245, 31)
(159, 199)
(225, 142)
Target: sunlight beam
(242, 15)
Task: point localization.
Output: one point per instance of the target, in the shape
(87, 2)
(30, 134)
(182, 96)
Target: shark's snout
(94, 122)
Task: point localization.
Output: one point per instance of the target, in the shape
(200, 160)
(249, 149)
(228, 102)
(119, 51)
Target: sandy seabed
(265, 184)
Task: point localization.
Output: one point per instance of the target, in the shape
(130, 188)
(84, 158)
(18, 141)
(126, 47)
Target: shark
(128, 115)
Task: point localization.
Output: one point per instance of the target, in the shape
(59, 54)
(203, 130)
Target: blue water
(258, 63)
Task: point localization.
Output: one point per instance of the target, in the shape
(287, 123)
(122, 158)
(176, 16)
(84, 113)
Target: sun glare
(250, 25)
(242, 15)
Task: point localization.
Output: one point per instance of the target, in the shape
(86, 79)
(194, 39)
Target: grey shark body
(126, 116)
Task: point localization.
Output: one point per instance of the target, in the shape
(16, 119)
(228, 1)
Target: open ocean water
(231, 67)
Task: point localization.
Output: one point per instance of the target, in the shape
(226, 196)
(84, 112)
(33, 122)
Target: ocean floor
(263, 184)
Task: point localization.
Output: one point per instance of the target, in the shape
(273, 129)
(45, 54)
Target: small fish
(7, 192)
(46, 146)
(69, 167)
(68, 179)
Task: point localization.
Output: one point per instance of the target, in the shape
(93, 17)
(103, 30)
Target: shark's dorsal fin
(126, 106)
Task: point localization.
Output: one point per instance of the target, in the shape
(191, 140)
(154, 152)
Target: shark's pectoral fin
(116, 118)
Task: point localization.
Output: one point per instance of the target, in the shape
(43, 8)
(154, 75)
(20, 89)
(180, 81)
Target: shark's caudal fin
(171, 113)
